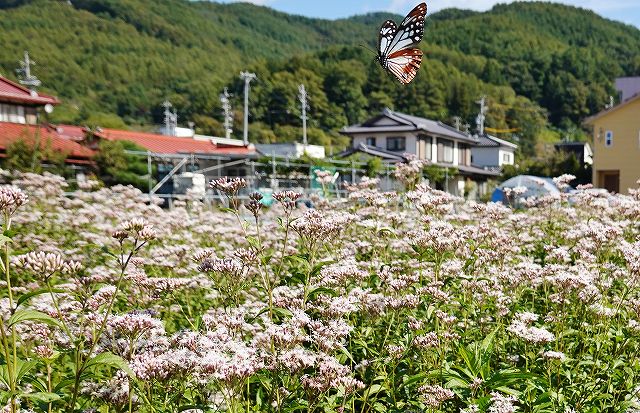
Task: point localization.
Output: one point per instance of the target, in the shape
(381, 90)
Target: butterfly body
(397, 45)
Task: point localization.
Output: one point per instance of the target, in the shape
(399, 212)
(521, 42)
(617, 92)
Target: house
(582, 151)
(616, 145)
(21, 105)
(491, 152)
(174, 155)
(392, 134)
(20, 113)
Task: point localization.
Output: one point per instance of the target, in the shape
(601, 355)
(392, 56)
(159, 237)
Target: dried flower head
(254, 205)
(228, 186)
(42, 263)
(287, 199)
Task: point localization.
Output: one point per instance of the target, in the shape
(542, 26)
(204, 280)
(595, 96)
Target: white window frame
(608, 139)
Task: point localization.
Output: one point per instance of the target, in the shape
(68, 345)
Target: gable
(383, 120)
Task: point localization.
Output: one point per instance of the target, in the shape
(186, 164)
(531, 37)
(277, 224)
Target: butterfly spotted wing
(397, 45)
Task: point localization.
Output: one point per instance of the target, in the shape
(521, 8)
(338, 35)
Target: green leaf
(24, 297)
(374, 389)
(4, 239)
(110, 360)
(408, 380)
(24, 367)
(321, 290)
(32, 315)
(191, 407)
(282, 312)
(254, 242)
(42, 397)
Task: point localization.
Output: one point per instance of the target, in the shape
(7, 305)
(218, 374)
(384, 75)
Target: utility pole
(482, 115)
(228, 114)
(247, 77)
(303, 102)
(26, 78)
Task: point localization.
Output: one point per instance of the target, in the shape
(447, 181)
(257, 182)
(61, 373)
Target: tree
(30, 153)
(115, 166)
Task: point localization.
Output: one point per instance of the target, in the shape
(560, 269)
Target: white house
(492, 153)
(397, 133)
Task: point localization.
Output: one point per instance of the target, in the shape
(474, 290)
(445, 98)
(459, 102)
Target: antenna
(170, 119)
(611, 103)
(226, 111)
(481, 116)
(305, 105)
(24, 72)
(368, 48)
(247, 77)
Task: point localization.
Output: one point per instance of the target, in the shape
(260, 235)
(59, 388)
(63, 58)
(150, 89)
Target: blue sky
(627, 11)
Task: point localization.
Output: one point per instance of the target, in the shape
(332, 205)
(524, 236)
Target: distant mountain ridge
(124, 57)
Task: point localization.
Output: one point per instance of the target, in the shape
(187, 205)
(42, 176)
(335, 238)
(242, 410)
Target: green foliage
(114, 61)
(31, 153)
(552, 165)
(115, 166)
(374, 167)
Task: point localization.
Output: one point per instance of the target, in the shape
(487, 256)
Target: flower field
(379, 302)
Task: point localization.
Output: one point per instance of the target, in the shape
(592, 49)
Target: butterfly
(397, 45)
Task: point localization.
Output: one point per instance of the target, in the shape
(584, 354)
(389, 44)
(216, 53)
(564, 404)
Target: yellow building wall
(624, 154)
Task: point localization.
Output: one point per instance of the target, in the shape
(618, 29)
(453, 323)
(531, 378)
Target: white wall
(501, 154)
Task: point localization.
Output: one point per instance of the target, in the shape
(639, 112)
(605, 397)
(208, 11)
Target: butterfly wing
(410, 31)
(397, 45)
(385, 37)
(404, 64)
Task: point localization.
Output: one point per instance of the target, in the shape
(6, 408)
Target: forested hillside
(543, 66)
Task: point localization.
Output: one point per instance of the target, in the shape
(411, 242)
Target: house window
(445, 151)
(12, 113)
(396, 144)
(608, 138)
(371, 141)
(506, 158)
(425, 145)
(464, 154)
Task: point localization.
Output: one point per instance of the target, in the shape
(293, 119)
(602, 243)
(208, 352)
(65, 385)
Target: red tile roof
(170, 144)
(15, 93)
(11, 132)
(75, 133)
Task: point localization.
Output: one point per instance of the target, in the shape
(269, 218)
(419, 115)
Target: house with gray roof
(392, 135)
(493, 153)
